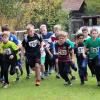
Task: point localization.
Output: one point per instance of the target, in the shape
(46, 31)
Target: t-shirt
(54, 40)
(93, 46)
(13, 38)
(70, 43)
(47, 37)
(32, 45)
(63, 52)
(10, 48)
(48, 41)
(79, 50)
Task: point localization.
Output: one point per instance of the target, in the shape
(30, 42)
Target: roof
(72, 5)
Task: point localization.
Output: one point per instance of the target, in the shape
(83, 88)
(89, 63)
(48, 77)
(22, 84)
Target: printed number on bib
(33, 43)
(7, 51)
(62, 52)
(94, 50)
(80, 49)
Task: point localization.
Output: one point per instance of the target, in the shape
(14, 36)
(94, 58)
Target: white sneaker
(5, 85)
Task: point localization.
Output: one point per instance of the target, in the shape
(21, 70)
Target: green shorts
(42, 60)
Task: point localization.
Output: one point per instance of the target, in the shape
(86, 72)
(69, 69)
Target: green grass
(50, 89)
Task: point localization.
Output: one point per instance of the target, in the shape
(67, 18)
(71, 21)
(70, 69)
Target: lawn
(50, 89)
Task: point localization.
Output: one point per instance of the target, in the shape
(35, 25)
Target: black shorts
(32, 62)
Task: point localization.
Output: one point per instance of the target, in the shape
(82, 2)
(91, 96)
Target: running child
(10, 56)
(63, 53)
(81, 58)
(93, 45)
(32, 44)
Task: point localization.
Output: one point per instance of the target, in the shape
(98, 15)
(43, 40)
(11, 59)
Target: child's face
(85, 33)
(30, 31)
(43, 30)
(61, 40)
(56, 31)
(94, 34)
(81, 39)
(5, 39)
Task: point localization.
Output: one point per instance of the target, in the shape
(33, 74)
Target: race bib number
(80, 49)
(62, 52)
(7, 51)
(33, 43)
(94, 50)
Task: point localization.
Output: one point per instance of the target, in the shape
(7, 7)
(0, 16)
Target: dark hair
(5, 28)
(79, 35)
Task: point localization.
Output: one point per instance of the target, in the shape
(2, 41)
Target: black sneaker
(98, 83)
(46, 74)
(58, 76)
(73, 78)
(82, 83)
(21, 71)
(42, 77)
(17, 79)
(67, 83)
(28, 77)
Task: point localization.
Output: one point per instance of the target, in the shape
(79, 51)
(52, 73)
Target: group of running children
(44, 51)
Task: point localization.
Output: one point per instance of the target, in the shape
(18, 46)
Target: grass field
(50, 89)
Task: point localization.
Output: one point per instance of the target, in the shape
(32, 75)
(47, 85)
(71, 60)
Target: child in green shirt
(93, 45)
(10, 51)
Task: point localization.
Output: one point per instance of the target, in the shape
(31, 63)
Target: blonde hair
(43, 25)
(62, 34)
(57, 27)
(30, 26)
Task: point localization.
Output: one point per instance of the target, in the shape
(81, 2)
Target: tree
(93, 7)
(45, 11)
(10, 8)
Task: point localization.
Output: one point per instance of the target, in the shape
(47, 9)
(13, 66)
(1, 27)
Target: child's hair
(93, 29)
(43, 25)
(57, 27)
(79, 35)
(62, 34)
(29, 26)
(5, 28)
(84, 29)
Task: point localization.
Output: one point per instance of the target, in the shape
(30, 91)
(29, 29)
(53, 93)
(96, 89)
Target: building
(76, 9)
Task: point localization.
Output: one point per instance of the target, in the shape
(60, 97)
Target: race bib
(80, 49)
(94, 50)
(7, 51)
(33, 43)
(62, 52)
